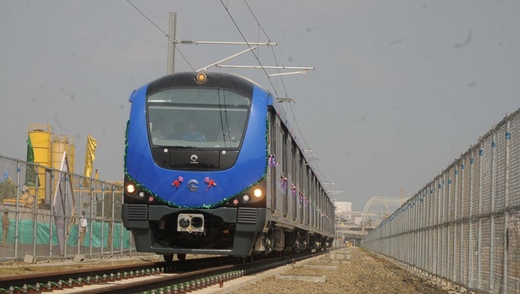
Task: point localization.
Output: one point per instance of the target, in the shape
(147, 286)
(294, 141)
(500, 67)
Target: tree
(7, 189)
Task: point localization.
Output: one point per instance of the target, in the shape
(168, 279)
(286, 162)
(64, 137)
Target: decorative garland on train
(177, 182)
(270, 158)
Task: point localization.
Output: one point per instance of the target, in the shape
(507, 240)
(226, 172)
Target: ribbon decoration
(177, 182)
(210, 182)
(283, 183)
(293, 190)
(272, 160)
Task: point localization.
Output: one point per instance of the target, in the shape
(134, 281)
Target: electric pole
(171, 43)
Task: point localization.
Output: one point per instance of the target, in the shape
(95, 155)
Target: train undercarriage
(279, 241)
(287, 241)
(168, 231)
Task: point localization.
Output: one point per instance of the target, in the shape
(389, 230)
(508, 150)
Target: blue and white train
(211, 167)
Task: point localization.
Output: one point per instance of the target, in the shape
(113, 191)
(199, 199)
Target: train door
(312, 203)
(305, 193)
(321, 211)
(285, 170)
(294, 181)
(272, 171)
(299, 189)
(310, 200)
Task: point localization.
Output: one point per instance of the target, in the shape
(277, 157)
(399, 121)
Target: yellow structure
(48, 152)
(60, 144)
(40, 136)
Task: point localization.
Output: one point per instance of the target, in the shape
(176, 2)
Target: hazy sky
(401, 88)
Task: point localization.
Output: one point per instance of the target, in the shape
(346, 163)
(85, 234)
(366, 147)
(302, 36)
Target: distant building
(343, 206)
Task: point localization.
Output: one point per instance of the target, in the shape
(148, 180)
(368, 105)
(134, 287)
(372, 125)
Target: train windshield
(197, 118)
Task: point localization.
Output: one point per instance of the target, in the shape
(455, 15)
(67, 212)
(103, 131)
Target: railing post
(505, 233)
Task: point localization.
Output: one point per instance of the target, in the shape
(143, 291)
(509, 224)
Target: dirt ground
(364, 273)
(359, 272)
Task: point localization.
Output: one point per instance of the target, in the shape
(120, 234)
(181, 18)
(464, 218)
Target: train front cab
(228, 228)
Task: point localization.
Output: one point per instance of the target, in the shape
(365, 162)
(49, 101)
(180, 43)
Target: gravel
(358, 272)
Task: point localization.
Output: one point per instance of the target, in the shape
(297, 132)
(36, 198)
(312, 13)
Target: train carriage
(212, 168)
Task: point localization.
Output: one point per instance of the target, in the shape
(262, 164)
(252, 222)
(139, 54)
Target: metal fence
(464, 226)
(41, 207)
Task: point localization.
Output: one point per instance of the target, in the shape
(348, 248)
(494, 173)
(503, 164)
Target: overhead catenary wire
(166, 34)
(281, 79)
(268, 77)
(257, 59)
(147, 18)
(245, 39)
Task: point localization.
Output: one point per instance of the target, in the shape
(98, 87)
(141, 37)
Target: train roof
(234, 82)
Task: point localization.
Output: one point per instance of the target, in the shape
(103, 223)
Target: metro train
(212, 167)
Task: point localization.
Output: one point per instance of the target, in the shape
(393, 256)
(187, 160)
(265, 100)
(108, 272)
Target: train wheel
(181, 256)
(168, 257)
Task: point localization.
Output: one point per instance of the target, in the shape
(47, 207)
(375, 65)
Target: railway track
(66, 279)
(176, 277)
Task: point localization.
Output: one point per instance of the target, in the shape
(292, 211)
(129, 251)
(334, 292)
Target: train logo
(193, 185)
(194, 159)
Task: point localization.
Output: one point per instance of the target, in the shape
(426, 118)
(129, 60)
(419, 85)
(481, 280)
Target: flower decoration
(283, 183)
(210, 182)
(272, 160)
(293, 190)
(177, 182)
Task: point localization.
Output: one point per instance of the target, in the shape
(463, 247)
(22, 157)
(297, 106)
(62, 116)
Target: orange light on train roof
(201, 78)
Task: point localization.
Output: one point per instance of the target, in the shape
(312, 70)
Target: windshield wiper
(186, 147)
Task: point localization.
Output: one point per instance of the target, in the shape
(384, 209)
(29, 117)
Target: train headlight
(130, 188)
(258, 193)
(246, 198)
(134, 193)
